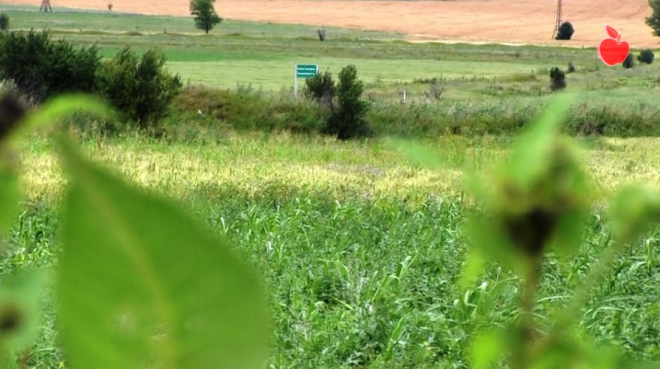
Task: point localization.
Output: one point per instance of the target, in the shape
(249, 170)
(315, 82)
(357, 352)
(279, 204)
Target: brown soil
(508, 21)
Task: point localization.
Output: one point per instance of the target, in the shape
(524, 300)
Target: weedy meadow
(142, 282)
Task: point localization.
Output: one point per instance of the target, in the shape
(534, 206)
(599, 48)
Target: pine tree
(654, 20)
(205, 15)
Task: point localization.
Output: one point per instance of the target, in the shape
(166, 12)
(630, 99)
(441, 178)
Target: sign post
(303, 71)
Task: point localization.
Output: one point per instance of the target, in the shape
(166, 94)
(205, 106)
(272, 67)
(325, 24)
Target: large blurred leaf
(60, 107)
(488, 349)
(143, 285)
(20, 310)
(530, 154)
(633, 210)
(419, 153)
(9, 198)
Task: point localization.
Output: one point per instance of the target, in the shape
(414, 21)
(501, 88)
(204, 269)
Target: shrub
(38, 68)
(565, 31)
(4, 22)
(571, 67)
(646, 56)
(345, 109)
(557, 79)
(321, 88)
(629, 62)
(141, 89)
(348, 120)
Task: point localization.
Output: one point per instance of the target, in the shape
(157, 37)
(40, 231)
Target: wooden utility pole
(558, 21)
(45, 6)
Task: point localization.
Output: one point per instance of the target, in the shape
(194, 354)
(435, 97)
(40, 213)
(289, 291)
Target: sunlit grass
(374, 168)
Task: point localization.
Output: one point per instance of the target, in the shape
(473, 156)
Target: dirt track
(511, 21)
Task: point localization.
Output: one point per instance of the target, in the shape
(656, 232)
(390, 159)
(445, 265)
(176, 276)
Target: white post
(404, 96)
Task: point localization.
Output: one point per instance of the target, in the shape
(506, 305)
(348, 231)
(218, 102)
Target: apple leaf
(141, 284)
(612, 32)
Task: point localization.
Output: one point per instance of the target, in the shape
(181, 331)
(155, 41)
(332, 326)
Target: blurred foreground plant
(536, 202)
(140, 283)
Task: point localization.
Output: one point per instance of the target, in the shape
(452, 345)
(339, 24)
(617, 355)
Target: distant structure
(558, 21)
(45, 6)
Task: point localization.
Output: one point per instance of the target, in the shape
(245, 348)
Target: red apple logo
(612, 50)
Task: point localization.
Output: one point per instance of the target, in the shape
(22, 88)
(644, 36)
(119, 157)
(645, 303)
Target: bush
(646, 56)
(565, 31)
(629, 62)
(557, 79)
(38, 68)
(348, 121)
(321, 88)
(571, 67)
(4, 22)
(345, 109)
(141, 89)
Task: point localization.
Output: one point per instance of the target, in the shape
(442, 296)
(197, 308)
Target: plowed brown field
(507, 21)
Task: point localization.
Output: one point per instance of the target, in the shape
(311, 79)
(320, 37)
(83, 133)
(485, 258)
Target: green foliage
(154, 288)
(242, 112)
(20, 315)
(646, 56)
(565, 31)
(39, 68)
(540, 197)
(347, 117)
(164, 278)
(4, 22)
(653, 20)
(140, 88)
(321, 88)
(629, 62)
(204, 13)
(557, 79)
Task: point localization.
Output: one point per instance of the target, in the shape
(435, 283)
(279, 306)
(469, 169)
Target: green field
(361, 249)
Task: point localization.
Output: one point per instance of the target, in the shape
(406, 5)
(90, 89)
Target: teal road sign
(306, 70)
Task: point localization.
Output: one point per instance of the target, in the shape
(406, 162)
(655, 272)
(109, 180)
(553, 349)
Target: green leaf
(491, 243)
(141, 284)
(10, 198)
(418, 153)
(487, 349)
(60, 107)
(569, 235)
(529, 156)
(20, 309)
(633, 209)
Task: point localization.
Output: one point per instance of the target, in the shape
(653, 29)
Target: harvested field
(505, 21)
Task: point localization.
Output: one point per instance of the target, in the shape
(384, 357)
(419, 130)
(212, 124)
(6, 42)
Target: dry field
(505, 21)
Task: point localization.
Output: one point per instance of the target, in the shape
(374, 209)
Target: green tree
(140, 88)
(349, 121)
(653, 20)
(205, 15)
(38, 68)
(4, 22)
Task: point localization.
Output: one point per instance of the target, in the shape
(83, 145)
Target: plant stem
(526, 327)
